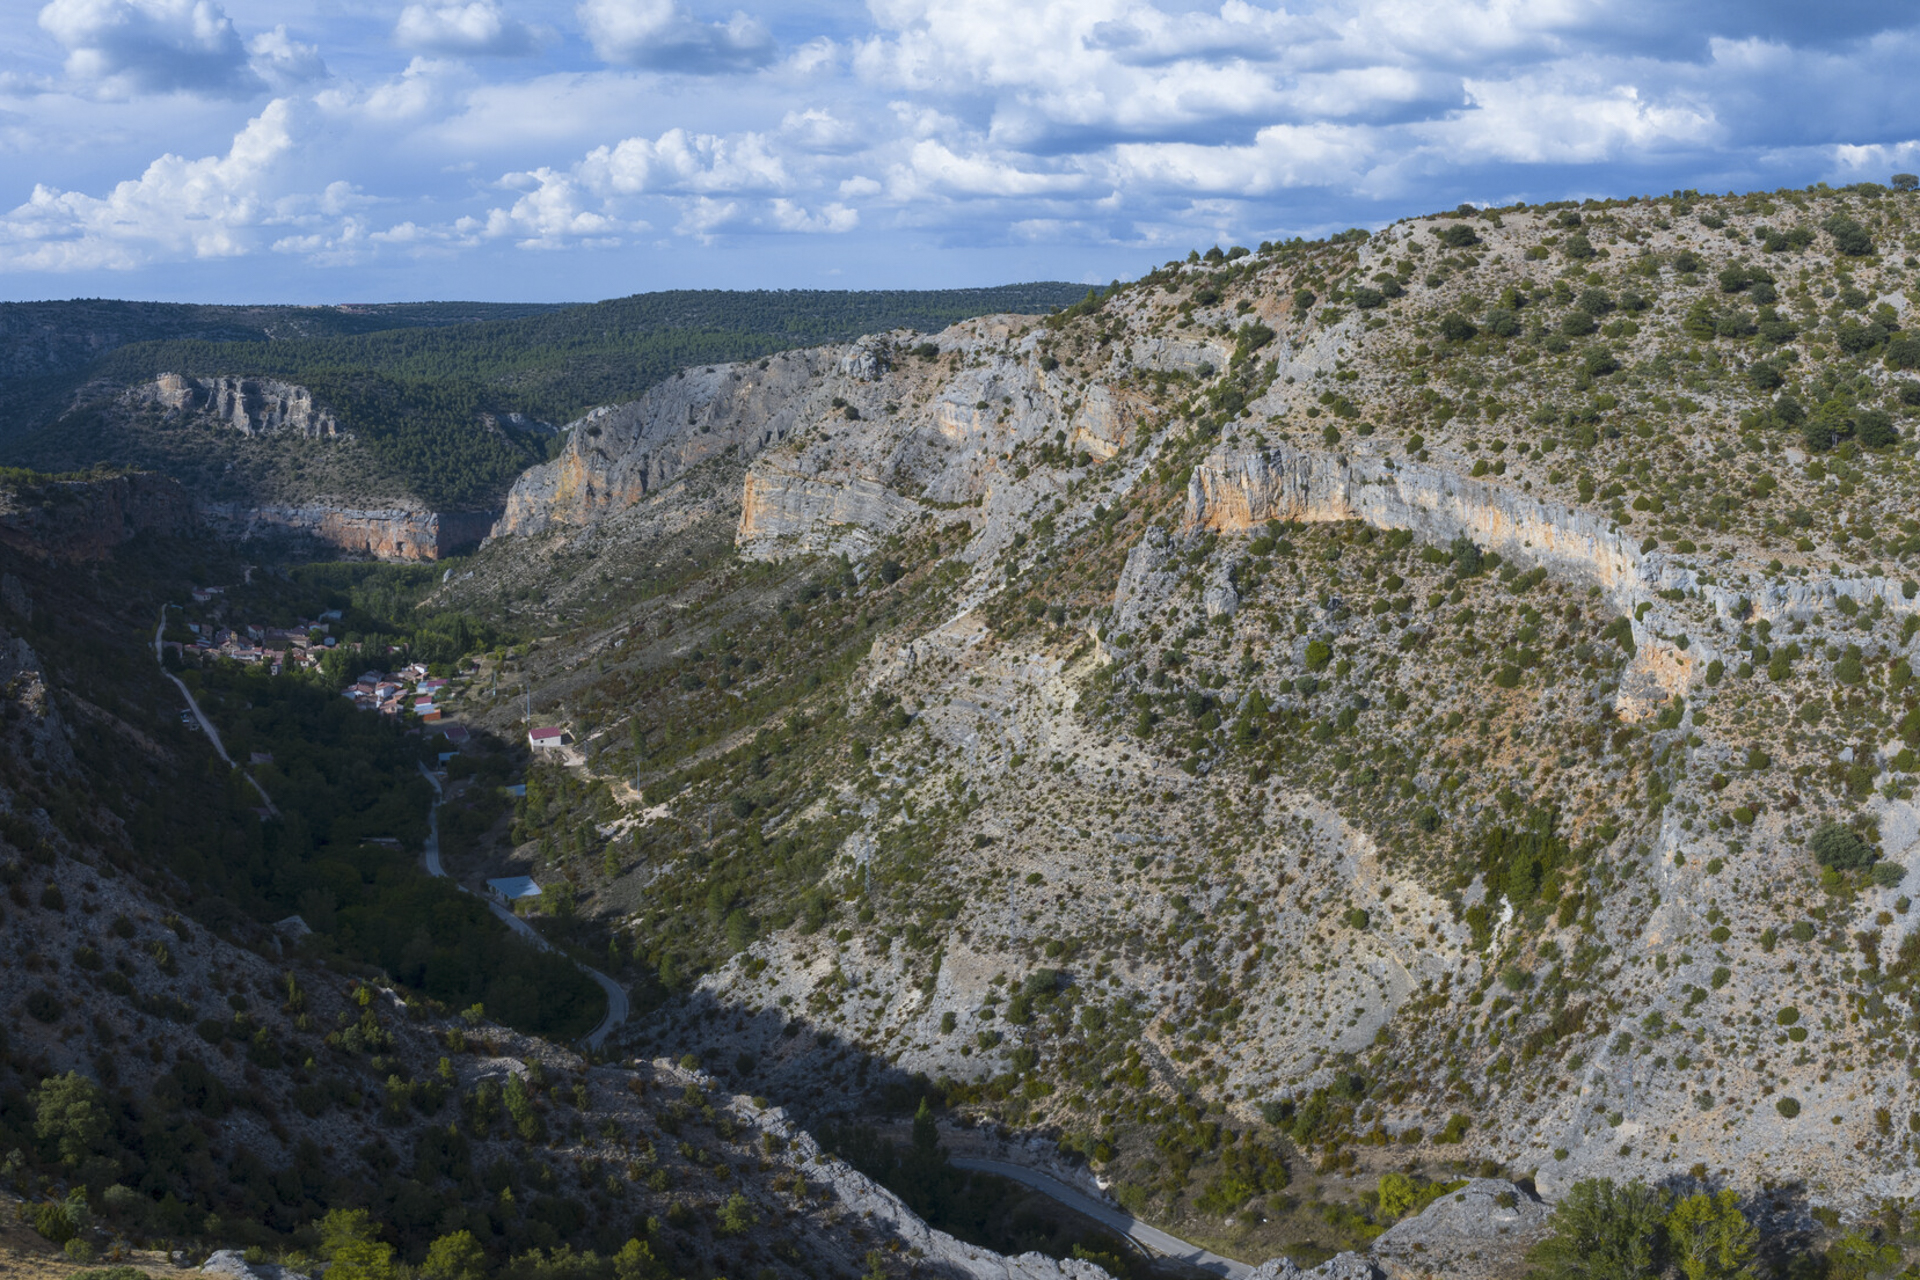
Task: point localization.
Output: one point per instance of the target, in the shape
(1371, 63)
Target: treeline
(418, 396)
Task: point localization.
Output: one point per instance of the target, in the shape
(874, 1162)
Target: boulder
(232, 1264)
(1482, 1229)
(1342, 1266)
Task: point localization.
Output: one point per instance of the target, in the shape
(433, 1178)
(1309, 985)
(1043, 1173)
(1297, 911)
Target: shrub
(1710, 1238)
(1840, 848)
(1458, 236)
(737, 1216)
(1874, 429)
(1603, 1231)
(1849, 237)
(1788, 1107)
(51, 1221)
(1455, 327)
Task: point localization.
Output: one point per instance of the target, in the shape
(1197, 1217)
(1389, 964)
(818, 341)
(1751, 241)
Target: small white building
(513, 888)
(547, 738)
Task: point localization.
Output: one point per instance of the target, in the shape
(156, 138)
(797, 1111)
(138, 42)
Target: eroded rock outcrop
(616, 456)
(781, 511)
(1482, 1229)
(251, 406)
(385, 533)
(1236, 490)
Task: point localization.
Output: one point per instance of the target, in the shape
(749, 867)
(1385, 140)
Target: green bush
(1603, 1231)
(1841, 848)
(1788, 1107)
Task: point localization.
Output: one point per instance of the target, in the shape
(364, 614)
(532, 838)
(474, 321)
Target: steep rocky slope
(1441, 696)
(177, 1076)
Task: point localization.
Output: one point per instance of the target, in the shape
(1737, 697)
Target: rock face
(616, 456)
(86, 519)
(1236, 490)
(1483, 1229)
(1342, 1266)
(863, 1199)
(233, 1265)
(393, 533)
(251, 406)
(781, 512)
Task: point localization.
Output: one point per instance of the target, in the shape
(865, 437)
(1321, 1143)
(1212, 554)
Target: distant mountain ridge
(430, 408)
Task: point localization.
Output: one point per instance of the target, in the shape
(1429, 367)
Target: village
(205, 631)
(300, 646)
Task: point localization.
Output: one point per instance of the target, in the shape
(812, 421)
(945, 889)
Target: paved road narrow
(1153, 1238)
(617, 1006)
(206, 725)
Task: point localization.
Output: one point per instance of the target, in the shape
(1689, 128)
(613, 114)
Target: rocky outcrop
(1342, 1266)
(390, 533)
(1236, 490)
(87, 519)
(864, 1200)
(31, 728)
(232, 1264)
(1483, 1229)
(251, 406)
(781, 512)
(614, 457)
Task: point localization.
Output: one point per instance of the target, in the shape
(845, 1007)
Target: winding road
(617, 1006)
(206, 725)
(1152, 1238)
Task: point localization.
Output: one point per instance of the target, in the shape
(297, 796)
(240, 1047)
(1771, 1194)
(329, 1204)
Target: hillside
(1316, 745)
(443, 404)
(1440, 698)
(270, 1031)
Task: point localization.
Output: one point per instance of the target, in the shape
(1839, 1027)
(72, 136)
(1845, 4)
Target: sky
(316, 151)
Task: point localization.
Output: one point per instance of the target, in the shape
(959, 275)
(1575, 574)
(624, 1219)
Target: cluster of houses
(409, 690)
(300, 646)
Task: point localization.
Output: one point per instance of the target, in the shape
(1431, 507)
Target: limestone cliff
(412, 532)
(250, 406)
(617, 455)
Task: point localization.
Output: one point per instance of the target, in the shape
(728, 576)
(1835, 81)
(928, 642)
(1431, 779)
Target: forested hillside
(419, 393)
(555, 364)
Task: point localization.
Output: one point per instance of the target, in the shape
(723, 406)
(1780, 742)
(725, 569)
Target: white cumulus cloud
(124, 47)
(178, 209)
(479, 28)
(664, 36)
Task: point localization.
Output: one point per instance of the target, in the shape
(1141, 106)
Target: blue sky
(339, 150)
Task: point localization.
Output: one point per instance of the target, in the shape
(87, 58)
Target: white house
(548, 737)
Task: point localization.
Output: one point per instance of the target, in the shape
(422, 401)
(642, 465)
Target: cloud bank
(1094, 133)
